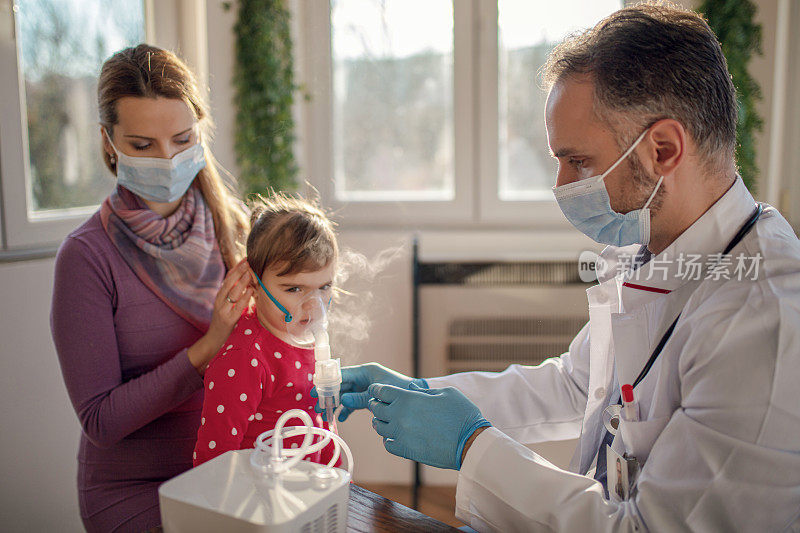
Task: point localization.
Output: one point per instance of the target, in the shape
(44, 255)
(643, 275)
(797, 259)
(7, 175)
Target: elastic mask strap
(626, 154)
(287, 315)
(108, 136)
(658, 184)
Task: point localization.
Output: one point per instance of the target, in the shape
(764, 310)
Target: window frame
(544, 213)
(477, 203)
(21, 227)
(173, 24)
(315, 131)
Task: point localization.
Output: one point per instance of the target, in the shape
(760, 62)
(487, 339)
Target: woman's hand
(233, 296)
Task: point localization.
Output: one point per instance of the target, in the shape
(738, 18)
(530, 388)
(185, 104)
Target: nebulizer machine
(269, 488)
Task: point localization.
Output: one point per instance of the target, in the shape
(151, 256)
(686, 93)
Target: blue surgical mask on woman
(159, 179)
(587, 206)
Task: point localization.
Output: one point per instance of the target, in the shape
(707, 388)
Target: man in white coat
(697, 307)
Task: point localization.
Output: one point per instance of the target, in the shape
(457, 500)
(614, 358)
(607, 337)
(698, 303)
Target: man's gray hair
(650, 62)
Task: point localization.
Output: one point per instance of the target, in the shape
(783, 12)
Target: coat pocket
(639, 437)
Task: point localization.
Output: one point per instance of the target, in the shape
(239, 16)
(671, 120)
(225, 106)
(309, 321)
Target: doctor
(641, 116)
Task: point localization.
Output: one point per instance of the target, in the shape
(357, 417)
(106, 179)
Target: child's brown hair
(291, 234)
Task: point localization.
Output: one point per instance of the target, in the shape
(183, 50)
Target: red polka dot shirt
(253, 379)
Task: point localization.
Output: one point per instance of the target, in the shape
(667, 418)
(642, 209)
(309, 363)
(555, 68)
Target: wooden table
(368, 512)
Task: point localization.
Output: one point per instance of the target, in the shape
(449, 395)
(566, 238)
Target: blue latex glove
(425, 425)
(356, 380)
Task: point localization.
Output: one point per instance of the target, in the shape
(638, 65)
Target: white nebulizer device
(265, 489)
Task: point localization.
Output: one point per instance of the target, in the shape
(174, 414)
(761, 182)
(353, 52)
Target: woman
(141, 301)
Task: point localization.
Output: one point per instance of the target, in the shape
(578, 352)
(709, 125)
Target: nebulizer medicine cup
(327, 378)
(310, 326)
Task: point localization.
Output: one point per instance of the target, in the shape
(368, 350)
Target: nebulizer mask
(307, 325)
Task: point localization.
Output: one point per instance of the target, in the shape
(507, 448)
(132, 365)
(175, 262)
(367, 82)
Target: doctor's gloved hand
(425, 425)
(357, 379)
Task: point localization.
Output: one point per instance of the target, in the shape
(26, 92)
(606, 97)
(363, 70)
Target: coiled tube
(269, 456)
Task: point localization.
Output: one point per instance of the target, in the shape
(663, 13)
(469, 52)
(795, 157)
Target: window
(52, 172)
(429, 112)
(526, 34)
(392, 74)
(62, 45)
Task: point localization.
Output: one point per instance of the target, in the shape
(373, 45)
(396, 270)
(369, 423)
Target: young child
(261, 372)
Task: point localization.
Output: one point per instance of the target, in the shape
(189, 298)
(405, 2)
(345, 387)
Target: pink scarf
(176, 257)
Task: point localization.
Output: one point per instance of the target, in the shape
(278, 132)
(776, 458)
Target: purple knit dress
(138, 398)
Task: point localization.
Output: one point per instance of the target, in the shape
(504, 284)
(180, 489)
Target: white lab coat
(719, 410)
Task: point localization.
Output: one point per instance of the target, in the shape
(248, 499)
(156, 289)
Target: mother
(141, 301)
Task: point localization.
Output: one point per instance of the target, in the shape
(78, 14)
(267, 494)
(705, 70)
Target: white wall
(39, 431)
(389, 310)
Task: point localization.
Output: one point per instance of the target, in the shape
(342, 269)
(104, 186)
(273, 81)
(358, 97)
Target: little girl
(260, 372)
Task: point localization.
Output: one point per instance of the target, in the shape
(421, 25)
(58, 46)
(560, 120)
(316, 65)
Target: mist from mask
(354, 305)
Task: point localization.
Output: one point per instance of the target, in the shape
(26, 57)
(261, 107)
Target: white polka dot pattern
(289, 380)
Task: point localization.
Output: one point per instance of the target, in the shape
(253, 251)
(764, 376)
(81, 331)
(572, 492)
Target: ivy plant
(264, 93)
(740, 37)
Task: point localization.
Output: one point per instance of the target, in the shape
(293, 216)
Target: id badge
(621, 474)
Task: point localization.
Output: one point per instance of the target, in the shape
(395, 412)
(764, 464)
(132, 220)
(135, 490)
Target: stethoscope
(611, 414)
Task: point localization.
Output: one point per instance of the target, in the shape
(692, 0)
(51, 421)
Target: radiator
(486, 316)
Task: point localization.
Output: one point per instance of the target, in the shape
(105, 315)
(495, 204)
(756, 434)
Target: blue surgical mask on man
(159, 179)
(587, 206)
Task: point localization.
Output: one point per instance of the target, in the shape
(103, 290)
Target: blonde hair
(150, 72)
(291, 234)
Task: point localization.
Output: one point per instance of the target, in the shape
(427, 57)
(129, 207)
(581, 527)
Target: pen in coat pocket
(630, 409)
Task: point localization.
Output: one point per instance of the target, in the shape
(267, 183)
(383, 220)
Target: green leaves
(264, 81)
(740, 37)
